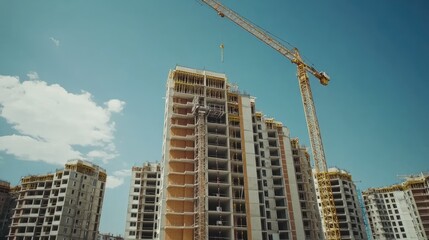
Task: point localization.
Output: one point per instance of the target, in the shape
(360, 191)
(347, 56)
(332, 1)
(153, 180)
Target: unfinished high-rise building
(349, 211)
(7, 202)
(227, 171)
(142, 213)
(62, 205)
(306, 191)
(400, 211)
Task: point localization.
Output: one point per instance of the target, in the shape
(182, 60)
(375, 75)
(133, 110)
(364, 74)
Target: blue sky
(92, 79)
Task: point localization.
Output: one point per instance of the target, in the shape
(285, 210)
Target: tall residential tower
(227, 171)
(143, 202)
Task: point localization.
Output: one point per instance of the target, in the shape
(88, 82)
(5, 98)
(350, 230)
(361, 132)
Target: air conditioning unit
(219, 223)
(219, 209)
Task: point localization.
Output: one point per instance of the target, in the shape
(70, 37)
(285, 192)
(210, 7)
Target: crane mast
(330, 219)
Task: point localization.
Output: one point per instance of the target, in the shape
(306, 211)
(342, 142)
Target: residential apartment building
(306, 191)
(62, 205)
(227, 171)
(399, 211)
(349, 212)
(418, 187)
(7, 202)
(142, 212)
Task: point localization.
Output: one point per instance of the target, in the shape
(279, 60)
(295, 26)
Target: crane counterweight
(324, 78)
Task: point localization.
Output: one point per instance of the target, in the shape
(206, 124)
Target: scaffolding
(200, 112)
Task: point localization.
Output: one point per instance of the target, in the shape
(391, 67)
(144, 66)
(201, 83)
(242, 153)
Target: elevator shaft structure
(330, 219)
(200, 221)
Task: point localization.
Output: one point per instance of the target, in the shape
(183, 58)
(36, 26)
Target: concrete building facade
(227, 171)
(142, 213)
(62, 205)
(399, 211)
(306, 191)
(349, 212)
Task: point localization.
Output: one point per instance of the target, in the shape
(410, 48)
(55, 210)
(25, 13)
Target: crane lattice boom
(322, 176)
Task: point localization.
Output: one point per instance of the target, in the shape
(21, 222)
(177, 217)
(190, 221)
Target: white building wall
(251, 169)
(293, 186)
(391, 214)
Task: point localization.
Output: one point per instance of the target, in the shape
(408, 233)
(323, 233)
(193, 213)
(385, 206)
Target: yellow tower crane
(330, 219)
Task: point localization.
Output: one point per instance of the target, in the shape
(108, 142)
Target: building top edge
(201, 72)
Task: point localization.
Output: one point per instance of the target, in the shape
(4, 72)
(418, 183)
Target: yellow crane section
(330, 219)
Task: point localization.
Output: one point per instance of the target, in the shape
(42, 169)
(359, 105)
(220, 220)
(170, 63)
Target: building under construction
(7, 202)
(228, 172)
(62, 205)
(348, 209)
(400, 211)
(142, 212)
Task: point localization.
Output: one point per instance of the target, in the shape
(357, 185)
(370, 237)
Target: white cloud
(115, 105)
(51, 122)
(113, 182)
(122, 173)
(55, 41)
(33, 75)
(103, 155)
(117, 178)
